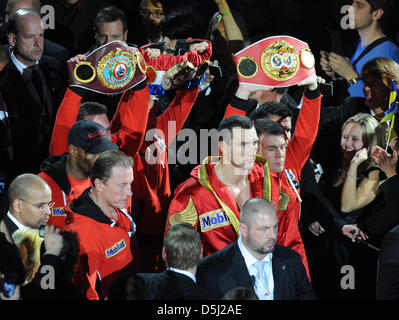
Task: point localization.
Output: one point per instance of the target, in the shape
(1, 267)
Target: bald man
(14, 5)
(51, 49)
(30, 204)
(255, 260)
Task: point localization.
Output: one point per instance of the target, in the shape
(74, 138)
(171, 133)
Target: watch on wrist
(353, 81)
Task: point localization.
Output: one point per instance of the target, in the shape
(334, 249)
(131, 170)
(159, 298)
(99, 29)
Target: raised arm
(129, 123)
(354, 197)
(66, 116)
(306, 127)
(231, 28)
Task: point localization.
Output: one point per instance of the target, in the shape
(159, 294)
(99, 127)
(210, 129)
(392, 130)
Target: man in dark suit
(181, 251)
(29, 86)
(51, 48)
(388, 267)
(255, 261)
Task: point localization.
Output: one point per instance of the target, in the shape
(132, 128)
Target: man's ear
(243, 229)
(377, 14)
(163, 254)
(12, 39)
(74, 151)
(16, 205)
(125, 35)
(98, 184)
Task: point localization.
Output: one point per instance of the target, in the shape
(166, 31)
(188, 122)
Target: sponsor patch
(116, 248)
(58, 212)
(214, 219)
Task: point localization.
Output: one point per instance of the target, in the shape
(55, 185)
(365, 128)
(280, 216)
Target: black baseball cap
(90, 136)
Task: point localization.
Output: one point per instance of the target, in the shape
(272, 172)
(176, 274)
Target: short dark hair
(268, 127)
(91, 109)
(107, 160)
(182, 24)
(272, 108)
(234, 121)
(110, 14)
(386, 5)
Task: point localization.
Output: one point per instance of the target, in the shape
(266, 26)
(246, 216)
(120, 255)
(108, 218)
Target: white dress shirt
(17, 223)
(18, 64)
(250, 261)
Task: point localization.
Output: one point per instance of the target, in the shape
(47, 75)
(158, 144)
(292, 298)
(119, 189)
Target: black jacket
(170, 285)
(224, 270)
(24, 115)
(388, 267)
(387, 217)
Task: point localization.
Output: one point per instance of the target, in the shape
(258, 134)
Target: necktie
(34, 82)
(261, 284)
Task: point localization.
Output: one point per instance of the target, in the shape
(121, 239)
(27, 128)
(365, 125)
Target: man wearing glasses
(151, 12)
(30, 204)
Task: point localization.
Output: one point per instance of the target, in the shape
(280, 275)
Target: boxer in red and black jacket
(297, 152)
(129, 124)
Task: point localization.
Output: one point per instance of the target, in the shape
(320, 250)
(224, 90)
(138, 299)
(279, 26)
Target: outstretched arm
(231, 28)
(66, 116)
(130, 120)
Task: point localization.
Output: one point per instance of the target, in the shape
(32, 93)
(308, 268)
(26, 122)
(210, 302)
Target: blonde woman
(360, 175)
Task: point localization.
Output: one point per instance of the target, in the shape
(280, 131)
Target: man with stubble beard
(255, 260)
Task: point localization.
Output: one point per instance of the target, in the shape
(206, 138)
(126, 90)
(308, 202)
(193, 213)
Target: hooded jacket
(285, 185)
(196, 204)
(63, 191)
(105, 244)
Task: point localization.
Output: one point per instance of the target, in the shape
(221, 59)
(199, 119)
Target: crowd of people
(121, 197)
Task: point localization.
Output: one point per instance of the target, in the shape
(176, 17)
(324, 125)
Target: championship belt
(112, 68)
(169, 72)
(280, 61)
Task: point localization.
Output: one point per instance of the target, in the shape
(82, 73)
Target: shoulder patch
(283, 201)
(189, 214)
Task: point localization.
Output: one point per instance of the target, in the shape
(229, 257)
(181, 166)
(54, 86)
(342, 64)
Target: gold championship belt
(112, 68)
(169, 72)
(177, 75)
(279, 61)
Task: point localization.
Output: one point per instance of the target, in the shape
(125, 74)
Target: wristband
(225, 13)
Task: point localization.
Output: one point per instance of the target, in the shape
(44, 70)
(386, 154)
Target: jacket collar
(55, 167)
(85, 206)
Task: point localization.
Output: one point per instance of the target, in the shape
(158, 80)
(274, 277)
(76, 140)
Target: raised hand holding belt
(170, 72)
(278, 61)
(112, 68)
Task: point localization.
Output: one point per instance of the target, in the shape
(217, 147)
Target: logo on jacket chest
(214, 219)
(115, 249)
(58, 212)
